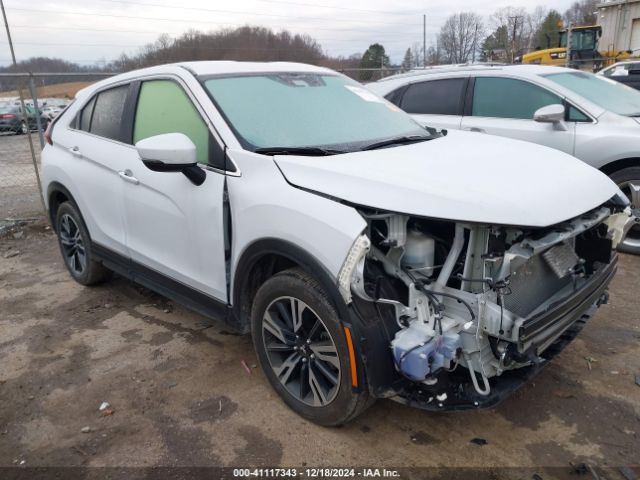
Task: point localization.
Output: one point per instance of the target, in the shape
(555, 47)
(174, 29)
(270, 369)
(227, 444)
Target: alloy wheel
(72, 244)
(23, 128)
(301, 351)
(631, 189)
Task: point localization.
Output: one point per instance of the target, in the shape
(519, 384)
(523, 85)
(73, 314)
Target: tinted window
(163, 107)
(84, 123)
(441, 97)
(509, 98)
(107, 113)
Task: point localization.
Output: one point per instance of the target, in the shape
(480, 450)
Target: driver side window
(509, 98)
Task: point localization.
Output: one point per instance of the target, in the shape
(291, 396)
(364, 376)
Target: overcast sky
(89, 31)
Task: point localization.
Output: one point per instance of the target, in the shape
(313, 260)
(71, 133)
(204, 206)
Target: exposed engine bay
(471, 302)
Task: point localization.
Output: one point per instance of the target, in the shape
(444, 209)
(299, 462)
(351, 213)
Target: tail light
(47, 133)
(7, 116)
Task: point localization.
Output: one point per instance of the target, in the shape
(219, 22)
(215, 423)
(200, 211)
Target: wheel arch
(264, 258)
(56, 195)
(617, 165)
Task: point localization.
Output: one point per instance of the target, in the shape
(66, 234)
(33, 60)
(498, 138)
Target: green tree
(547, 34)
(494, 47)
(374, 57)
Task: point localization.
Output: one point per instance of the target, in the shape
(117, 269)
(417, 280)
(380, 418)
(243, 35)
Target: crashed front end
(465, 313)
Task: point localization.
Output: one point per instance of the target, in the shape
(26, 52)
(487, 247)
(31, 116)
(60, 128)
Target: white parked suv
(591, 117)
(367, 256)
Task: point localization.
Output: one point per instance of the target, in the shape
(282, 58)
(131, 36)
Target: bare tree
(416, 50)
(534, 21)
(434, 55)
(460, 36)
(581, 12)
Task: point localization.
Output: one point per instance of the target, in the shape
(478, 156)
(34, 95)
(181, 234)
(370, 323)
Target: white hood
(463, 176)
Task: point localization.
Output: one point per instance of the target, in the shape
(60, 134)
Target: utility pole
(515, 19)
(424, 41)
(22, 105)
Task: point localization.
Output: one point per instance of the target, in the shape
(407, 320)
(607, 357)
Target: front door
(505, 107)
(173, 226)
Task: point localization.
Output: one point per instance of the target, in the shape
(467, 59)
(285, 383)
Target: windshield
(291, 110)
(608, 94)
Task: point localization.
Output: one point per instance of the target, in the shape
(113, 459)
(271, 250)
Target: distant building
(620, 21)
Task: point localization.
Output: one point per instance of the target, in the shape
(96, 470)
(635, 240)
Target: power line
(158, 33)
(265, 1)
(315, 5)
(210, 10)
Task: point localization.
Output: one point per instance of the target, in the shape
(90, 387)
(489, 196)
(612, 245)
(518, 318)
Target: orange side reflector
(352, 357)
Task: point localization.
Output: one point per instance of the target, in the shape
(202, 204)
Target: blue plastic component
(417, 363)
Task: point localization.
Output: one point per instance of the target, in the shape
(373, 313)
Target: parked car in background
(624, 72)
(12, 120)
(367, 256)
(52, 111)
(585, 115)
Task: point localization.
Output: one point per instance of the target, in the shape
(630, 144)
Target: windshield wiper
(404, 140)
(306, 151)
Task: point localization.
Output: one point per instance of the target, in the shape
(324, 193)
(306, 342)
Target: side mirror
(171, 152)
(551, 114)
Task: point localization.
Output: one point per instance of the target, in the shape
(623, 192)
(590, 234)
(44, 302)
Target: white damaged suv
(367, 256)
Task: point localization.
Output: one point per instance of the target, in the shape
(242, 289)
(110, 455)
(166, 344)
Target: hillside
(61, 90)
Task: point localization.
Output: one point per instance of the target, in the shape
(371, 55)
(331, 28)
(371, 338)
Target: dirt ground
(180, 395)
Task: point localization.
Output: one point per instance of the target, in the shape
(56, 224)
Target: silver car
(591, 117)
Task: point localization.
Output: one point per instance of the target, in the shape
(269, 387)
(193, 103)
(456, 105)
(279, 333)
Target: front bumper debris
(550, 331)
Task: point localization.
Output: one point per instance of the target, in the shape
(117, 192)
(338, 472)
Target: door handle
(75, 151)
(475, 129)
(127, 176)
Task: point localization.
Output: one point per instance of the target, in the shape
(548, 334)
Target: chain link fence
(28, 104)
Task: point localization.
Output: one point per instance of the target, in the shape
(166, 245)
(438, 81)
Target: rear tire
(22, 129)
(75, 246)
(302, 348)
(625, 179)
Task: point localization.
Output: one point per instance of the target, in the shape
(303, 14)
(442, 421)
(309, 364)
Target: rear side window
(438, 97)
(164, 107)
(509, 98)
(84, 122)
(106, 120)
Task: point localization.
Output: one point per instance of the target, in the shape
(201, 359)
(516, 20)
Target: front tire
(75, 246)
(302, 348)
(628, 179)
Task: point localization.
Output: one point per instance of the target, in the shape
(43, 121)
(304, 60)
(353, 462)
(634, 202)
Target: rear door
(98, 151)
(505, 107)
(435, 103)
(174, 227)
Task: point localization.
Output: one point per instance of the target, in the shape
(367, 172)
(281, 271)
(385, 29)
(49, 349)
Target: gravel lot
(180, 395)
(19, 195)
